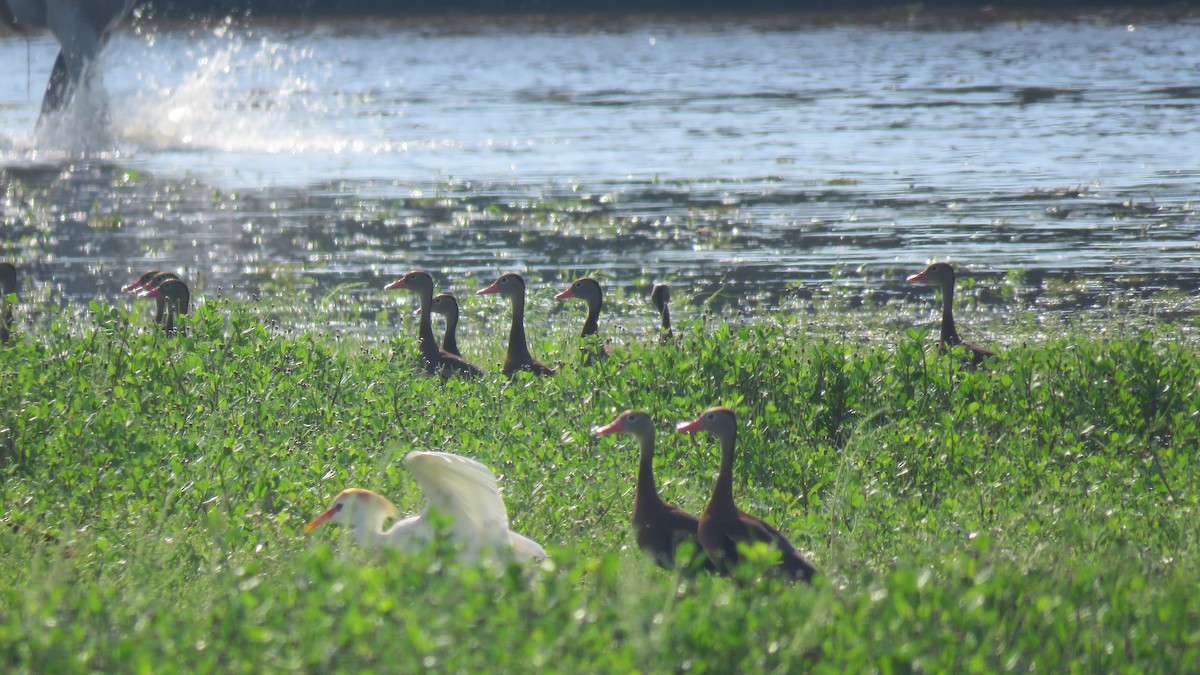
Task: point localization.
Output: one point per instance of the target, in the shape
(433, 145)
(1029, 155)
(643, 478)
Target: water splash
(231, 92)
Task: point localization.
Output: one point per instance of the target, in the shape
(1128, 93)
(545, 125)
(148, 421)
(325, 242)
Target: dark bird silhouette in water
(82, 28)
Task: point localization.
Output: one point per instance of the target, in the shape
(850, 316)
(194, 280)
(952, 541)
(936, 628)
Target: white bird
(459, 489)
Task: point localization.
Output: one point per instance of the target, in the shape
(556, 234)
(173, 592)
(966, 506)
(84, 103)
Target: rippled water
(758, 157)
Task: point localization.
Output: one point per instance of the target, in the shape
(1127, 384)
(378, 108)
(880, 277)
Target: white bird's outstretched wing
(465, 491)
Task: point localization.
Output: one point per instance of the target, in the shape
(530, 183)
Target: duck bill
(399, 283)
(690, 427)
(923, 276)
(565, 294)
(490, 289)
(131, 287)
(610, 428)
(149, 292)
(318, 520)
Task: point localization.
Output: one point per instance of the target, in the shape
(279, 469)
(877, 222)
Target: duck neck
(160, 307)
(722, 494)
(450, 343)
(949, 333)
(646, 493)
(426, 341)
(169, 325)
(666, 321)
(518, 346)
(591, 325)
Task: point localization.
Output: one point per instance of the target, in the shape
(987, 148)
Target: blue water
(759, 155)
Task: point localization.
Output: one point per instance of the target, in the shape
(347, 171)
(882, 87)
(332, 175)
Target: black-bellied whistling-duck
(660, 527)
(447, 305)
(137, 284)
(177, 298)
(660, 297)
(459, 489)
(8, 286)
(589, 290)
(436, 360)
(942, 275)
(722, 525)
(142, 285)
(518, 357)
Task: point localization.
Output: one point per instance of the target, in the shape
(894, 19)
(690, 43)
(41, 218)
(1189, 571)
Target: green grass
(1039, 514)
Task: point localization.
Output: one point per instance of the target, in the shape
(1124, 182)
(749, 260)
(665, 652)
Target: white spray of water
(221, 91)
(226, 91)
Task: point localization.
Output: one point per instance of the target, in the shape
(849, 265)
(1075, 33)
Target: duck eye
(711, 416)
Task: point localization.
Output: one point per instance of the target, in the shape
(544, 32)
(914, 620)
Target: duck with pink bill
(723, 526)
(435, 359)
(518, 358)
(941, 274)
(590, 291)
(662, 529)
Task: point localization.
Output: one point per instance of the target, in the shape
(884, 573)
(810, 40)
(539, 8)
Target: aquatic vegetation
(1035, 513)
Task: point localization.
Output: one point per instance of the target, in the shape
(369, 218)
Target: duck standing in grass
(447, 305)
(589, 290)
(176, 299)
(457, 488)
(141, 286)
(8, 286)
(661, 528)
(723, 526)
(518, 357)
(436, 359)
(660, 297)
(941, 274)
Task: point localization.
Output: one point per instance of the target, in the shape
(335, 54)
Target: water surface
(755, 157)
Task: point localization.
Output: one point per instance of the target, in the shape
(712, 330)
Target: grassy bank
(1039, 514)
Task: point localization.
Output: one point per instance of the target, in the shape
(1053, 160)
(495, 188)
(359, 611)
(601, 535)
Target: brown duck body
(722, 525)
(518, 357)
(435, 359)
(942, 275)
(660, 527)
(8, 286)
(176, 298)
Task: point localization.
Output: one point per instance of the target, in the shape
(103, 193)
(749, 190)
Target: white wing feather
(465, 491)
